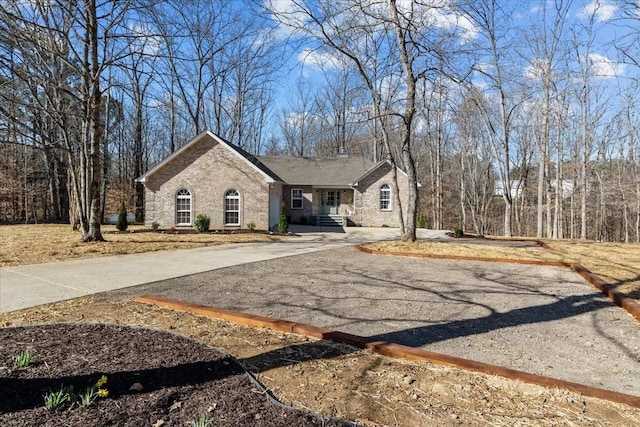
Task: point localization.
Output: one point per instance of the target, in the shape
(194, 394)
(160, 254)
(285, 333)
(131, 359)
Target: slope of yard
(330, 378)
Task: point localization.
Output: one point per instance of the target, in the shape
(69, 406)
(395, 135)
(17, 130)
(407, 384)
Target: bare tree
(546, 42)
(496, 36)
(299, 123)
(391, 46)
(339, 105)
(73, 38)
(589, 97)
(476, 176)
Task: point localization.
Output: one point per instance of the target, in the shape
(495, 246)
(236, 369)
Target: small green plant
(87, 397)
(202, 421)
(422, 222)
(458, 232)
(23, 359)
(121, 222)
(251, 226)
(283, 224)
(202, 223)
(54, 399)
(155, 225)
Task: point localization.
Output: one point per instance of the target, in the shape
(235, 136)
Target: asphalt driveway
(542, 320)
(31, 285)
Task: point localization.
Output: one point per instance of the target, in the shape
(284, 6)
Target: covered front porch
(320, 205)
(334, 206)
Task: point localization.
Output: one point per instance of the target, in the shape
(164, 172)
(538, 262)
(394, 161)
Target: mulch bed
(153, 379)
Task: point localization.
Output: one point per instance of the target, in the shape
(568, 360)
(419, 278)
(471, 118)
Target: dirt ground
(538, 319)
(112, 375)
(357, 385)
(341, 381)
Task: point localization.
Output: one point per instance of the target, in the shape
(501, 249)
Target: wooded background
(470, 94)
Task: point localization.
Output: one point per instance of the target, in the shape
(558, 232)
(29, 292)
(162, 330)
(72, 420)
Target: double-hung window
(296, 198)
(183, 207)
(385, 197)
(232, 208)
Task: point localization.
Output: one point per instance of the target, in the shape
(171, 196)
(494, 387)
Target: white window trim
(387, 189)
(178, 211)
(301, 198)
(226, 197)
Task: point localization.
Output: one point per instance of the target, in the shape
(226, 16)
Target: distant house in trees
(211, 176)
(515, 190)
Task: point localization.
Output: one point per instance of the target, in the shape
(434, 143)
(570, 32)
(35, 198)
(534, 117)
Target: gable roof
(327, 171)
(245, 156)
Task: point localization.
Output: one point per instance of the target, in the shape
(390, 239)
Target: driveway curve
(542, 320)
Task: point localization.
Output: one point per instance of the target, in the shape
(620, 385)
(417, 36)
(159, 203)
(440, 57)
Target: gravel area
(541, 320)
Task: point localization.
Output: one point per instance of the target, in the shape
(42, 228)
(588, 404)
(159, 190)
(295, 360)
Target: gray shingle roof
(329, 171)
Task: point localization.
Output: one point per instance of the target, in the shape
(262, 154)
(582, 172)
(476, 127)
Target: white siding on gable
(566, 185)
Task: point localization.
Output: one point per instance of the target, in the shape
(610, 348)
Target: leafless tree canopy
(508, 119)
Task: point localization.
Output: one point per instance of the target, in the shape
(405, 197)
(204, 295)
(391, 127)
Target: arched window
(183, 207)
(385, 197)
(232, 208)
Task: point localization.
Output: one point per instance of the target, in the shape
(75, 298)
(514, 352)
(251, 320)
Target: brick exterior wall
(208, 170)
(367, 198)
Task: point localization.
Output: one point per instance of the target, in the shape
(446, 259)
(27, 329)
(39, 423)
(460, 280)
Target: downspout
(269, 206)
(356, 219)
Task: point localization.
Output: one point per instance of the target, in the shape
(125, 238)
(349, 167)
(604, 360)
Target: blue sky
(608, 26)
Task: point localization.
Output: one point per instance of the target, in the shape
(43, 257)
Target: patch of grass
(36, 244)
(202, 421)
(55, 399)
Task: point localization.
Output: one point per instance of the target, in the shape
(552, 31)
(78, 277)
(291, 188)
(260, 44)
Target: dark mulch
(181, 379)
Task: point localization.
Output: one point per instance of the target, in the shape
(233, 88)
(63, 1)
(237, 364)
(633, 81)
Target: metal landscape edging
(389, 348)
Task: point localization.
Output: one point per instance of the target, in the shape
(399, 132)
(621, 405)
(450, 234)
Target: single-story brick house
(211, 176)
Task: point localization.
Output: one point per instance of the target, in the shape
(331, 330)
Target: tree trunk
(94, 171)
(463, 210)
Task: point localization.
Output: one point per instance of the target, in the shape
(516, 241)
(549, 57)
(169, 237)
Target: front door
(330, 202)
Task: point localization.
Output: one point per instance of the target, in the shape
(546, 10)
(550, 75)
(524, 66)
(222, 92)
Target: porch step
(330, 220)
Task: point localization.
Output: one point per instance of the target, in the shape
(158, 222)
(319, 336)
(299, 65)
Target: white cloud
(603, 10)
(287, 15)
(320, 59)
(143, 41)
(440, 14)
(601, 66)
(281, 6)
(534, 70)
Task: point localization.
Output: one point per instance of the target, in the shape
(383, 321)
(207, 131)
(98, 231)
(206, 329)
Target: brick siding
(367, 198)
(208, 170)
